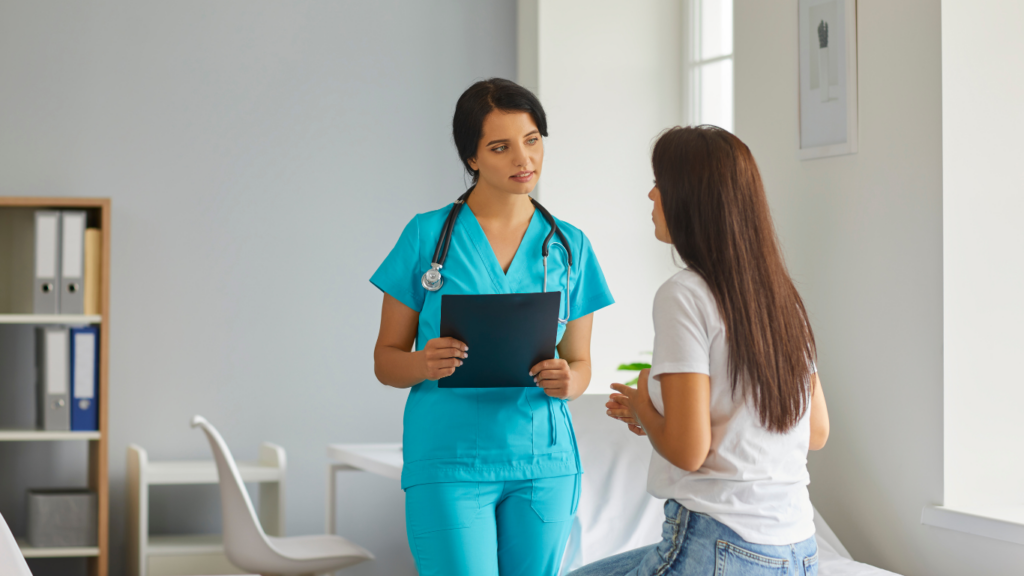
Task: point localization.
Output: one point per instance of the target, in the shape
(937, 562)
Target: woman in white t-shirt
(732, 402)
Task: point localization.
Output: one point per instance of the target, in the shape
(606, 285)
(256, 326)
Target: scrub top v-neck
(486, 434)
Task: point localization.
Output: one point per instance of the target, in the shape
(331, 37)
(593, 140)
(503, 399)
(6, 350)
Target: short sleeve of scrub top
(486, 434)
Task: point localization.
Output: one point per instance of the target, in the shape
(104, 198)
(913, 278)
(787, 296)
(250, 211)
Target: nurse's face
(510, 152)
(658, 215)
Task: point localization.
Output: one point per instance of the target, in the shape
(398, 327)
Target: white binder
(53, 378)
(47, 262)
(72, 262)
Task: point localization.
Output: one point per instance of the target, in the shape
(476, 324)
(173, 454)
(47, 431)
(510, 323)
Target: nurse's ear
(472, 163)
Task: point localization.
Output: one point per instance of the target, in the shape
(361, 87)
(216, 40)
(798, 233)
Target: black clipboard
(507, 334)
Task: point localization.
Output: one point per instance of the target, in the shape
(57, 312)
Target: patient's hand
(620, 408)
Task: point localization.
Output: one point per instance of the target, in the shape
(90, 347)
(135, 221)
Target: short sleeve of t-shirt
(399, 274)
(681, 341)
(589, 291)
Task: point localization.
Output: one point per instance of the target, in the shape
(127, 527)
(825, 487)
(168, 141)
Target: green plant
(634, 367)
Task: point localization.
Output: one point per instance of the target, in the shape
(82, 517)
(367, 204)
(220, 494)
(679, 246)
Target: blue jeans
(696, 544)
(514, 528)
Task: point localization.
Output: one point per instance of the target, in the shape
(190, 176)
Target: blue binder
(85, 379)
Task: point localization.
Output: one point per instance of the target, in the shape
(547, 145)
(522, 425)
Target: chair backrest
(12, 563)
(245, 543)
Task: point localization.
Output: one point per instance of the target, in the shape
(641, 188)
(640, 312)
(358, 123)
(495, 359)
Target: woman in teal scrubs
(491, 475)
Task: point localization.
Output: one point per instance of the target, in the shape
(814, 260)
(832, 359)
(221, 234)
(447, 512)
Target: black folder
(507, 334)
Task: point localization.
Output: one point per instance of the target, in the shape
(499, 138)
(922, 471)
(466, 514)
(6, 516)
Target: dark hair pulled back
(481, 99)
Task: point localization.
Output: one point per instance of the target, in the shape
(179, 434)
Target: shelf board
(181, 544)
(39, 319)
(205, 472)
(45, 435)
(29, 551)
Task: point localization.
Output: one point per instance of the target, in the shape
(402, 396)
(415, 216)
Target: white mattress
(615, 512)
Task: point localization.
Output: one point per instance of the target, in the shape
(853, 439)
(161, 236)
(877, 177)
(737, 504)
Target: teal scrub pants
(513, 528)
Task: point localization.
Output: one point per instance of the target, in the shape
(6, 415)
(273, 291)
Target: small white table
(381, 459)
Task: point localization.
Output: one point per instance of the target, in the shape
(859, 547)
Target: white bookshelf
(161, 555)
(45, 435)
(48, 319)
(29, 551)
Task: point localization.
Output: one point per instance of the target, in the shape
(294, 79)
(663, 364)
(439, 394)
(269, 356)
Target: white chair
(249, 548)
(12, 563)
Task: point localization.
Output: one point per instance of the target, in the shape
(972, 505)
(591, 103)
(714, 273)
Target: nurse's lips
(522, 177)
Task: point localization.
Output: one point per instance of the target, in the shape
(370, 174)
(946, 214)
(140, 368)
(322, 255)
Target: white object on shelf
(62, 319)
(195, 553)
(44, 435)
(246, 544)
(30, 551)
(12, 561)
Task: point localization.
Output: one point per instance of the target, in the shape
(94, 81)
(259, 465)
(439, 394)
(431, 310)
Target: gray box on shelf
(62, 518)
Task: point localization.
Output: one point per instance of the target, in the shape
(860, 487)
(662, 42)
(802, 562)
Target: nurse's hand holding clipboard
(441, 356)
(395, 364)
(554, 376)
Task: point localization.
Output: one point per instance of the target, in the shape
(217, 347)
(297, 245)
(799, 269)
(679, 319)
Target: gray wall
(863, 238)
(262, 158)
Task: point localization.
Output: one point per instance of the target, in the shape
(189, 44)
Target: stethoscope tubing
(445, 240)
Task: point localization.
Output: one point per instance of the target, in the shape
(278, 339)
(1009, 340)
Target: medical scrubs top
(486, 434)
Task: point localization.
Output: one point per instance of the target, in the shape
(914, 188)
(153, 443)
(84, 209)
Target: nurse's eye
(501, 148)
(532, 141)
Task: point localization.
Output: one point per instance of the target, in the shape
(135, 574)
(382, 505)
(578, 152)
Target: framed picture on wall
(828, 78)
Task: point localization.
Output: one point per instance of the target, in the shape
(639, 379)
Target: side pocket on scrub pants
(554, 499)
(442, 506)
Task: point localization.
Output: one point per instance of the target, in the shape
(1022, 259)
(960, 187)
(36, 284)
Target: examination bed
(616, 513)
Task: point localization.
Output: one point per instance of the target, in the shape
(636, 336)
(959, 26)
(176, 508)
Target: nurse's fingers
(552, 376)
(637, 430)
(558, 392)
(441, 368)
(439, 353)
(553, 364)
(447, 343)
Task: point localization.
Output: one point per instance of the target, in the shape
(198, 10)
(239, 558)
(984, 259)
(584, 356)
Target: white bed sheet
(617, 514)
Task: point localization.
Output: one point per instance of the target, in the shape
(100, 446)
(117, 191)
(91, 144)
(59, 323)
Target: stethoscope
(432, 279)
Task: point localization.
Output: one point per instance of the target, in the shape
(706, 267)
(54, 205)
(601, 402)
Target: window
(708, 86)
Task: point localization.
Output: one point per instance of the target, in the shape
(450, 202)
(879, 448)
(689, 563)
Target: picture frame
(828, 78)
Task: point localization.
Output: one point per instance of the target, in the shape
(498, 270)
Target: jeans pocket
(554, 499)
(811, 566)
(732, 560)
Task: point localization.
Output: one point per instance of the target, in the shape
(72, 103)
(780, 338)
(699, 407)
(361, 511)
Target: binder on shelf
(84, 376)
(47, 265)
(93, 248)
(72, 262)
(52, 378)
(17, 260)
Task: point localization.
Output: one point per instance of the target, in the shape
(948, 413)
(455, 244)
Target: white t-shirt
(753, 481)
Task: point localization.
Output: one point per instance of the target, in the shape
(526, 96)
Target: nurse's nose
(520, 159)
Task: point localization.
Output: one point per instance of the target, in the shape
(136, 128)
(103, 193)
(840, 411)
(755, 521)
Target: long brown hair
(718, 217)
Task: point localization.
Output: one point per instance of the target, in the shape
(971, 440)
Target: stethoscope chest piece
(432, 279)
